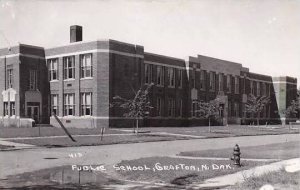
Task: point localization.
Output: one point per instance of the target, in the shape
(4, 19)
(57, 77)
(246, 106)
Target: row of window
(33, 78)
(86, 67)
(69, 104)
(171, 107)
(234, 111)
(214, 79)
(260, 88)
(9, 111)
(172, 74)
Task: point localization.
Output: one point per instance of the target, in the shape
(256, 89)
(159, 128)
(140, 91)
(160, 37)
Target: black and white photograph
(150, 94)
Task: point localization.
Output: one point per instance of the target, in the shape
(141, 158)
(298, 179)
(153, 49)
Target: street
(27, 160)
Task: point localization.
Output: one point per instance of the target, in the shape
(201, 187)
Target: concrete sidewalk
(15, 146)
(291, 165)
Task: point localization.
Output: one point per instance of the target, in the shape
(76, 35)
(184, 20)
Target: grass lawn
(49, 131)
(182, 175)
(279, 180)
(58, 178)
(92, 140)
(224, 131)
(274, 151)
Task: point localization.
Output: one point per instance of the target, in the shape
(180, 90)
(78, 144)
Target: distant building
(78, 81)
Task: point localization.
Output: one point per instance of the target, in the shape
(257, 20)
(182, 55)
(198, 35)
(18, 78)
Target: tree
(294, 108)
(256, 104)
(209, 110)
(138, 107)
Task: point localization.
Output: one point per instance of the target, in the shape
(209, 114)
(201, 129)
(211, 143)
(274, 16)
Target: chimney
(75, 33)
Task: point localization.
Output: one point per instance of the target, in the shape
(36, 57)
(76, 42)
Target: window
(212, 81)
(194, 78)
(159, 106)
(12, 108)
(69, 106)
(171, 107)
(86, 103)
(194, 108)
(228, 83)
(86, 67)
(148, 73)
(251, 87)
(236, 109)
(202, 80)
(32, 80)
(53, 69)
(171, 77)
(54, 104)
(180, 108)
(236, 85)
(69, 67)
(258, 88)
(9, 80)
(160, 75)
(264, 90)
(180, 78)
(229, 109)
(221, 82)
(5, 107)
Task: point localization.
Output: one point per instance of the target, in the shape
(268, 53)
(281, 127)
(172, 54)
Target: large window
(53, 69)
(32, 80)
(221, 82)
(69, 67)
(9, 78)
(251, 87)
(171, 107)
(69, 104)
(228, 83)
(236, 109)
(171, 77)
(229, 109)
(212, 81)
(5, 109)
(180, 108)
(202, 80)
(54, 104)
(159, 106)
(258, 92)
(148, 73)
(160, 75)
(12, 108)
(86, 66)
(194, 78)
(86, 103)
(194, 109)
(237, 85)
(180, 78)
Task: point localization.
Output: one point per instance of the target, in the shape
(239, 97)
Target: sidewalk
(291, 165)
(16, 146)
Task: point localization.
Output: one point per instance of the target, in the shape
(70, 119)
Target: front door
(34, 113)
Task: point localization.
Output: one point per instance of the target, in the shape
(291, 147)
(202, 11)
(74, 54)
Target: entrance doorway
(33, 111)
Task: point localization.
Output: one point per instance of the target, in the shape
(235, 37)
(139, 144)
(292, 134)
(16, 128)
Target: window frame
(84, 67)
(67, 69)
(160, 75)
(52, 69)
(171, 77)
(83, 104)
(33, 79)
(67, 104)
(53, 106)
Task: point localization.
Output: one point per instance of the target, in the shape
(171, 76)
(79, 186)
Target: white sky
(262, 35)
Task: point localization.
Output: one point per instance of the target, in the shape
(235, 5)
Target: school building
(78, 81)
